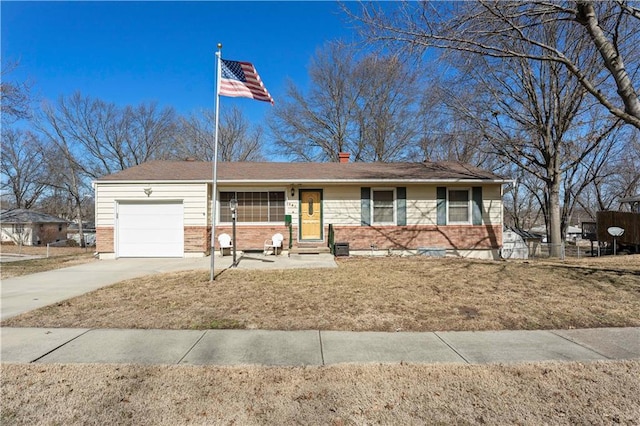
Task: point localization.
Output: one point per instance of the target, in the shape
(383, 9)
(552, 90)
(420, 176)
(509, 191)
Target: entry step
(309, 250)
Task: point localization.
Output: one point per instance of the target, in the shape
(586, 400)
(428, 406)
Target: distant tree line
(541, 92)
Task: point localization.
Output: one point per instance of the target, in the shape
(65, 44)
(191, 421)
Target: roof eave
(358, 181)
(306, 181)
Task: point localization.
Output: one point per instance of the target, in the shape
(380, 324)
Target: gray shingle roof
(524, 234)
(297, 172)
(28, 216)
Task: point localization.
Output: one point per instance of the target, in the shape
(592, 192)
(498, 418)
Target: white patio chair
(273, 244)
(225, 243)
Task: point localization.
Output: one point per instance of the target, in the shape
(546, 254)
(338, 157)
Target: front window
(459, 209)
(383, 206)
(253, 206)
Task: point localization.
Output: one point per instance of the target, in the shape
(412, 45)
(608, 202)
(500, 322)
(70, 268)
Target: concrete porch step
(309, 250)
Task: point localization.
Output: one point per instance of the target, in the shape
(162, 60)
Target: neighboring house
(519, 244)
(574, 233)
(88, 229)
(634, 203)
(163, 208)
(31, 228)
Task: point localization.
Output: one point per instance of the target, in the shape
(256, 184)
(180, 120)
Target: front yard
(364, 294)
(58, 257)
(385, 294)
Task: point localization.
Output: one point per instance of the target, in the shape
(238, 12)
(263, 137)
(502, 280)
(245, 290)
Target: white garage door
(150, 230)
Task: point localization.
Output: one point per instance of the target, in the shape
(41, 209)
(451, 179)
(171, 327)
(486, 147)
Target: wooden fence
(630, 222)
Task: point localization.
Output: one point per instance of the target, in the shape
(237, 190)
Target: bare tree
(537, 115)
(366, 106)
(617, 177)
(238, 140)
(78, 132)
(448, 133)
(14, 96)
(319, 124)
(23, 167)
(151, 133)
(58, 202)
(534, 68)
(501, 29)
(591, 170)
(66, 176)
(106, 138)
(523, 200)
(389, 109)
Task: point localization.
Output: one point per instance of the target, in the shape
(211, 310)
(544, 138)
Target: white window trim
(395, 206)
(469, 220)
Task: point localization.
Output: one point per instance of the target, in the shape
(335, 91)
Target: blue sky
(133, 52)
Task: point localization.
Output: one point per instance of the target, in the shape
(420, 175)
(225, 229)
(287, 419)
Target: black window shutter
(441, 196)
(365, 206)
(477, 205)
(401, 194)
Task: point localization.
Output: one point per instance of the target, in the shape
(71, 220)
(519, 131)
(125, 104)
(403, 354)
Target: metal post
(233, 204)
(215, 167)
(233, 216)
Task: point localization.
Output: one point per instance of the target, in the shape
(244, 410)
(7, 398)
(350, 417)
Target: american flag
(241, 80)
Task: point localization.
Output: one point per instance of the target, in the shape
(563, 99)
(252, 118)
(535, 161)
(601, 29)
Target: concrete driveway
(28, 292)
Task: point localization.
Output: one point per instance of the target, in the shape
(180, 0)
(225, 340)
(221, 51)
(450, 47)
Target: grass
(59, 257)
(368, 294)
(362, 294)
(526, 394)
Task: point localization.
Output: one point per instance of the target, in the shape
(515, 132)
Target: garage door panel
(150, 230)
(155, 236)
(148, 250)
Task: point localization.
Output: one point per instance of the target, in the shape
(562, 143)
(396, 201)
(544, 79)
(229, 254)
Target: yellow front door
(310, 215)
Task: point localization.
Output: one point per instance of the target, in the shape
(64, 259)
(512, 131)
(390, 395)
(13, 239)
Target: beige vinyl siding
(193, 197)
(421, 205)
(341, 205)
(492, 204)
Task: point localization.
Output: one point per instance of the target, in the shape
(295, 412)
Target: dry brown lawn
(59, 257)
(382, 294)
(362, 294)
(528, 394)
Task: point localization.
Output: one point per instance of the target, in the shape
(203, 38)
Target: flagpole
(214, 196)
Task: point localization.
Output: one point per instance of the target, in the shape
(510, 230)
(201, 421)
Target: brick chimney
(344, 157)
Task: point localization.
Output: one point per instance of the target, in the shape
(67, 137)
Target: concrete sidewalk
(312, 347)
(25, 293)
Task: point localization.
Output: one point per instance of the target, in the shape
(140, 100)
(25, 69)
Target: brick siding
(459, 237)
(104, 240)
(253, 237)
(50, 233)
(196, 239)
